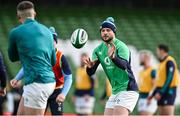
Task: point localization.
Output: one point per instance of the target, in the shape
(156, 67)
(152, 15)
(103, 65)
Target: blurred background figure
(2, 83)
(84, 90)
(17, 93)
(167, 81)
(107, 91)
(146, 83)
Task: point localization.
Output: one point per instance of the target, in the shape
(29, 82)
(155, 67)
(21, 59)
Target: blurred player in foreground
(146, 84)
(63, 80)
(166, 82)
(84, 90)
(115, 58)
(2, 83)
(32, 44)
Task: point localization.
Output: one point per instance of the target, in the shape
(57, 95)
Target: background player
(166, 82)
(146, 84)
(2, 83)
(115, 59)
(63, 80)
(32, 44)
(107, 91)
(84, 90)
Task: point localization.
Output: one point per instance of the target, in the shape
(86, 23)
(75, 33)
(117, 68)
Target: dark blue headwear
(53, 31)
(108, 23)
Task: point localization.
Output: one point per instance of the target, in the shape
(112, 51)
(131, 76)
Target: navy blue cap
(109, 23)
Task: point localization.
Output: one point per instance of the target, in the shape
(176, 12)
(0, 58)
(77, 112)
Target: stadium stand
(143, 29)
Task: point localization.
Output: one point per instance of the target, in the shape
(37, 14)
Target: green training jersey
(32, 44)
(118, 77)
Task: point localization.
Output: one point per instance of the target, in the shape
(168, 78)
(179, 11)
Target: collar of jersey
(28, 21)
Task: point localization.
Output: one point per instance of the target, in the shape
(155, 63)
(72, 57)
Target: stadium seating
(143, 29)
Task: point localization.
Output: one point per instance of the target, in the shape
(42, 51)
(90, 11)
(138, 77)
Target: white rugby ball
(79, 38)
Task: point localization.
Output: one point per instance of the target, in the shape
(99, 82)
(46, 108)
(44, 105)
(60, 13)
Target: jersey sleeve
(94, 55)
(67, 83)
(123, 52)
(65, 66)
(20, 74)
(170, 68)
(12, 48)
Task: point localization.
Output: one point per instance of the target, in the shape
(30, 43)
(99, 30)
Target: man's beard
(108, 40)
(142, 63)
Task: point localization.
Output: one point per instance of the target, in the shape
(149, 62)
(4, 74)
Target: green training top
(32, 44)
(118, 77)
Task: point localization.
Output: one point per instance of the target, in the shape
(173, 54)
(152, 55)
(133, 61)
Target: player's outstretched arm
(67, 80)
(91, 66)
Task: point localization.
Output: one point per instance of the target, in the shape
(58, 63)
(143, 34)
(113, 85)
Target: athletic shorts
(167, 98)
(126, 99)
(84, 106)
(144, 107)
(56, 108)
(36, 94)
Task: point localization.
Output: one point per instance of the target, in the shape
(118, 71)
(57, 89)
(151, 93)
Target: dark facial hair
(142, 63)
(107, 41)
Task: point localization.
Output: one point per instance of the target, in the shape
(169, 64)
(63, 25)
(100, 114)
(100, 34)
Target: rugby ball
(79, 38)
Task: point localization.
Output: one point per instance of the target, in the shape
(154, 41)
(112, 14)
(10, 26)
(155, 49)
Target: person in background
(146, 83)
(167, 81)
(3, 78)
(84, 90)
(107, 91)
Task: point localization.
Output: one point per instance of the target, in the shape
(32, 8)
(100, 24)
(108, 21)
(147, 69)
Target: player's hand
(88, 62)
(2, 91)
(60, 98)
(111, 50)
(149, 99)
(87, 97)
(157, 96)
(14, 83)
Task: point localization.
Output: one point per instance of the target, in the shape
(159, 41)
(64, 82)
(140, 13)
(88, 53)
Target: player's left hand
(60, 98)
(157, 96)
(111, 50)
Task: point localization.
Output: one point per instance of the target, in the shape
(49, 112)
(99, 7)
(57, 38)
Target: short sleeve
(94, 55)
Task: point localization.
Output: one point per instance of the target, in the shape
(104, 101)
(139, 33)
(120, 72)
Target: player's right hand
(88, 62)
(14, 83)
(111, 50)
